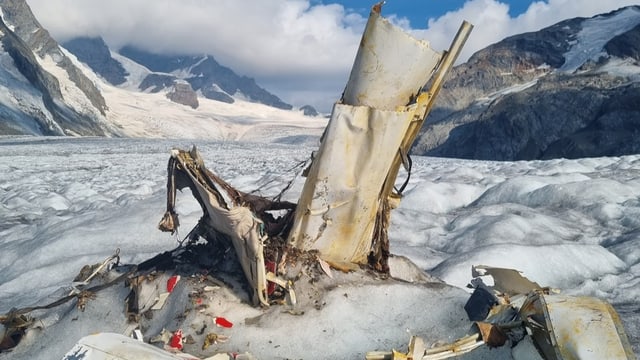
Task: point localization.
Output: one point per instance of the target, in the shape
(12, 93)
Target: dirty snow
(65, 203)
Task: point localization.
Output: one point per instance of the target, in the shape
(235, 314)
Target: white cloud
(493, 23)
(268, 40)
(296, 49)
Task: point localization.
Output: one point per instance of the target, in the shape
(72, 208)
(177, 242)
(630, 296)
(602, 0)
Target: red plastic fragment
(222, 322)
(176, 340)
(270, 266)
(171, 283)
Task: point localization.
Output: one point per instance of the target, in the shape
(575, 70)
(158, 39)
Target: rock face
(205, 74)
(96, 54)
(182, 93)
(37, 104)
(309, 110)
(625, 45)
(537, 96)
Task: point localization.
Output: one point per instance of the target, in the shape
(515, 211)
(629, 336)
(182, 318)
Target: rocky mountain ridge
(36, 101)
(45, 89)
(569, 90)
(203, 73)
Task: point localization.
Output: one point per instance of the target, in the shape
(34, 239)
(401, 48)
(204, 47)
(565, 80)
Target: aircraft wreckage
(340, 222)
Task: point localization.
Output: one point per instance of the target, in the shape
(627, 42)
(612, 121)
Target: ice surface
(68, 202)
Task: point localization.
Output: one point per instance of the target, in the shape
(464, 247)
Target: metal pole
(426, 100)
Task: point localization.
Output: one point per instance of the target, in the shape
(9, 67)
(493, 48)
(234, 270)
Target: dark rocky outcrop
(206, 75)
(156, 82)
(309, 110)
(182, 93)
(513, 100)
(94, 52)
(515, 60)
(625, 45)
(544, 123)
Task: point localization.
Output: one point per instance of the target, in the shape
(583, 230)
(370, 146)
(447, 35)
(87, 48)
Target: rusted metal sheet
(234, 220)
(337, 210)
(569, 327)
(339, 201)
(390, 67)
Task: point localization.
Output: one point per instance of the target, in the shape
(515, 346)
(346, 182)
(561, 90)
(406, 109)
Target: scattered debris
(561, 327)
(164, 337)
(222, 322)
(160, 301)
(213, 338)
(15, 326)
(171, 283)
(176, 340)
(137, 334)
(325, 267)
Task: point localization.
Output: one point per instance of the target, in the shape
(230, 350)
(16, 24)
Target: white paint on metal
(390, 67)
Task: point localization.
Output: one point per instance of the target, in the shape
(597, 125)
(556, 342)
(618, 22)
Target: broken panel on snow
(537, 322)
(229, 216)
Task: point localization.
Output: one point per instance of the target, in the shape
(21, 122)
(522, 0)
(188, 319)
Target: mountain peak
(204, 74)
(94, 52)
(563, 91)
(51, 109)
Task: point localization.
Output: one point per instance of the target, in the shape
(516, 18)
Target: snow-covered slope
(135, 72)
(595, 33)
(21, 103)
(60, 99)
(47, 91)
(152, 115)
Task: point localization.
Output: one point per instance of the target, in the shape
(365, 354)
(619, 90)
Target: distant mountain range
(569, 90)
(51, 89)
(203, 73)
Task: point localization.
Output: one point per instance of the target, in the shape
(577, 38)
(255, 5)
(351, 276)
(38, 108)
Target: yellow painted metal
(233, 220)
(390, 68)
(424, 104)
(426, 101)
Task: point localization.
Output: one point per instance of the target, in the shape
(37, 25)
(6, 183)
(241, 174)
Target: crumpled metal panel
(339, 201)
(569, 327)
(344, 188)
(238, 222)
(390, 67)
(111, 346)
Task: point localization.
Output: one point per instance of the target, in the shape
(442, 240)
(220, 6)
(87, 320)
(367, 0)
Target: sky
(298, 49)
(70, 202)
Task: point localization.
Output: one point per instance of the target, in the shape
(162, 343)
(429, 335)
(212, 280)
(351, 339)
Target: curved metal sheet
(390, 67)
